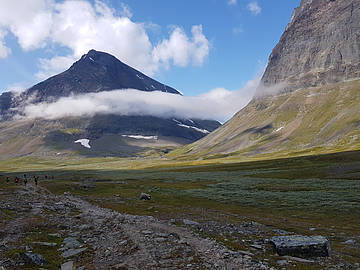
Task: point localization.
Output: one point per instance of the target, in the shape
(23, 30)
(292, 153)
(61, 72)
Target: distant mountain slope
(107, 135)
(313, 120)
(316, 68)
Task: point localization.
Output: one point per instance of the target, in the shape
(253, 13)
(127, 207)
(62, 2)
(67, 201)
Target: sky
(198, 47)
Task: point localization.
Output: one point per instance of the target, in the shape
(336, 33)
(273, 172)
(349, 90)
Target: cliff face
(320, 45)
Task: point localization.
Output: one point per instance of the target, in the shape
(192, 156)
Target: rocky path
(97, 238)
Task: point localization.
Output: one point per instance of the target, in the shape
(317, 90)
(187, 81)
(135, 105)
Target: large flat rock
(302, 246)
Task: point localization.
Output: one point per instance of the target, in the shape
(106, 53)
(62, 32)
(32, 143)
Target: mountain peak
(96, 71)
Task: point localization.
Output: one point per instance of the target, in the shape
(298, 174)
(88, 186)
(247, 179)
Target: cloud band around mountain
(219, 104)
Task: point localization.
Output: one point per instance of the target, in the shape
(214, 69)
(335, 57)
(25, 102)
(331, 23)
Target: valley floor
(215, 216)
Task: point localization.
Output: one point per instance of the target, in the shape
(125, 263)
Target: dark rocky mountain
(319, 56)
(320, 45)
(107, 135)
(95, 72)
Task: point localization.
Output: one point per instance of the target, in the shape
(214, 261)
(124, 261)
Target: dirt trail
(114, 240)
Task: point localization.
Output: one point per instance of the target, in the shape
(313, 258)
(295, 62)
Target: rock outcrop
(320, 45)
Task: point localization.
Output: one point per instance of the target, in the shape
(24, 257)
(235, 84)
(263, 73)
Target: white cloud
(232, 2)
(54, 65)
(181, 50)
(126, 11)
(219, 104)
(4, 51)
(254, 8)
(16, 89)
(80, 26)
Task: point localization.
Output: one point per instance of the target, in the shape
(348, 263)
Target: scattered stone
(350, 242)
(55, 235)
(245, 253)
(71, 242)
(190, 222)
(296, 259)
(67, 265)
(144, 196)
(84, 227)
(282, 262)
(35, 258)
(146, 232)
(159, 239)
(72, 252)
(312, 229)
(257, 247)
(281, 232)
(45, 244)
(303, 246)
(172, 221)
(120, 266)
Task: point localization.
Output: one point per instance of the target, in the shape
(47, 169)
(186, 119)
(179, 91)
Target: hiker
(25, 181)
(16, 180)
(7, 179)
(46, 176)
(36, 180)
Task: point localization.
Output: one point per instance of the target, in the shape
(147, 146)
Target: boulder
(301, 246)
(67, 266)
(190, 222)
(35, 258)
(144, 196)
(72, 252)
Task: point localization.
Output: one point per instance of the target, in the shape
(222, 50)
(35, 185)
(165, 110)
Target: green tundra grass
(292, 194)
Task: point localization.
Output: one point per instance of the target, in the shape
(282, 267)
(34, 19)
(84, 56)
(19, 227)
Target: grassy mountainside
(308, 121)
(109, 135)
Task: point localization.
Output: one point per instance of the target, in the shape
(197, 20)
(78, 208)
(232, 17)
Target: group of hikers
(25, 179)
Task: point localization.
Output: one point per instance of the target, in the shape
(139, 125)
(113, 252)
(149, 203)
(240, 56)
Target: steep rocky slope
(320, 45)
(316, 68)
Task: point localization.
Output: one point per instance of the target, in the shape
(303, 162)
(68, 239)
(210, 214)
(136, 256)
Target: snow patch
(92, 59)
(280, 128)
(191, 121)
(195, 128)
(84, 142)
(141, 78)
(139, 137)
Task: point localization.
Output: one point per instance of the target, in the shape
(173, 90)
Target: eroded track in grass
(103, 238)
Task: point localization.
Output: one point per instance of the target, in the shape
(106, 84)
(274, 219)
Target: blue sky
(223, 43)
